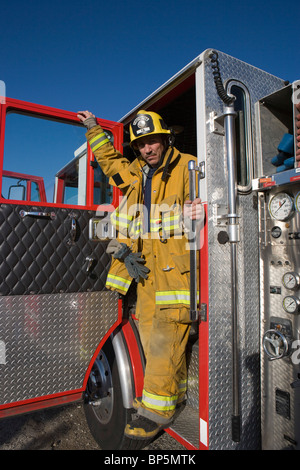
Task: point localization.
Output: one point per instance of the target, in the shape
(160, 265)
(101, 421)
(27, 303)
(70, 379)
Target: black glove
(134, 263)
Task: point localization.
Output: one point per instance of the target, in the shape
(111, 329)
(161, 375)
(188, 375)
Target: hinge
(220, 215)
(201, 170)
(216, 123)
(203, 312)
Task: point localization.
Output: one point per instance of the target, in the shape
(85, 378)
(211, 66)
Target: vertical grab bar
(233, 232)
(193, 247)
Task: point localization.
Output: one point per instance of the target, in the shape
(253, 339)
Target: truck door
(54, 308)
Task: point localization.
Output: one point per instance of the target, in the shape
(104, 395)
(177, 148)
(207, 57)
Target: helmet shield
(147, 123)
(142, 124)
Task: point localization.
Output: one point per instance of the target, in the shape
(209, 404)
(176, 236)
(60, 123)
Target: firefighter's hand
(135, 266)
(134, 262)
(82, 115)
(87, 118)
(193, 209)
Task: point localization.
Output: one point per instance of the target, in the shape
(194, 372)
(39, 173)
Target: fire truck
(65, 338)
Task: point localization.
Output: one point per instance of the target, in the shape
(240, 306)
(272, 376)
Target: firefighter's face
(151, 148)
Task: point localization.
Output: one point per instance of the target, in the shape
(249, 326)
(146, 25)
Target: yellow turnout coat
(163, 299)
(169, 239)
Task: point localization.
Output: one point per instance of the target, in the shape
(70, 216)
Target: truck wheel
(104, 410)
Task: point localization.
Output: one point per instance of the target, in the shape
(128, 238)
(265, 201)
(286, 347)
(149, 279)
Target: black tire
(107, 420)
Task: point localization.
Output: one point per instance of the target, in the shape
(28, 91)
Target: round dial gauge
(290, 280)
(291, 304)
(297, 202)
(281, 206)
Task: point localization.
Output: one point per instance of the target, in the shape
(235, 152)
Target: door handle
(90, 264)
(37, 214)
(73, 229)
(73, 232)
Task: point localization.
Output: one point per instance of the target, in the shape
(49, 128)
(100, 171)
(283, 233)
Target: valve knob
(276, 344)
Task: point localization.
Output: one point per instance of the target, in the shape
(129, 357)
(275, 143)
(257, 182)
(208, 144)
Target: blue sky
(108, 56)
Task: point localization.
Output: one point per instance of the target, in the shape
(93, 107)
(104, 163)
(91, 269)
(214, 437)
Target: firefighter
(153, 223)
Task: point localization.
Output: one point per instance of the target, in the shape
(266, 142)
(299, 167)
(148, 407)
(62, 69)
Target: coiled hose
(217, 79)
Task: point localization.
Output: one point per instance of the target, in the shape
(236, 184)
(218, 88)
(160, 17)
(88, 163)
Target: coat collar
(141, 164)
(138, 168)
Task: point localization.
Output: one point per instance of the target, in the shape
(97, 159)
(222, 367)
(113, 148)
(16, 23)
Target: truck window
(14, 188)
(55, 152)
(243, 134)
(35, 192)
(22, 187)
(103, 191)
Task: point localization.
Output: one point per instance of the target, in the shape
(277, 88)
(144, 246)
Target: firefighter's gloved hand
(135, 266)
(90, 122)
(87, 118)
(114, 246)
(134, 263)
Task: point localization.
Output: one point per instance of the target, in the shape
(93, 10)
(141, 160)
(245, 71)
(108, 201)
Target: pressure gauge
(290, 280)
(297, 202)
(281, 206)
(291, 304)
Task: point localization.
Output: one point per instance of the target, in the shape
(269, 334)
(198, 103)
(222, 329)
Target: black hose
(217, 78)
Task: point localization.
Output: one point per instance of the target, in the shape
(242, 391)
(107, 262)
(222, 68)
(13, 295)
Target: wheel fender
(130, 367)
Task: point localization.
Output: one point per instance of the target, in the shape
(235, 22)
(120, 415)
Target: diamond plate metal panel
(36, 256)
(49, 341)
(220, 389)
(190, 412)
(53, 311)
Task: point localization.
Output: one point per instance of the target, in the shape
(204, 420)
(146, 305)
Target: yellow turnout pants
(164, 333)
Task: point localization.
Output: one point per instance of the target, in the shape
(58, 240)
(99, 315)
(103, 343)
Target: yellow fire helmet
(147, 123)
